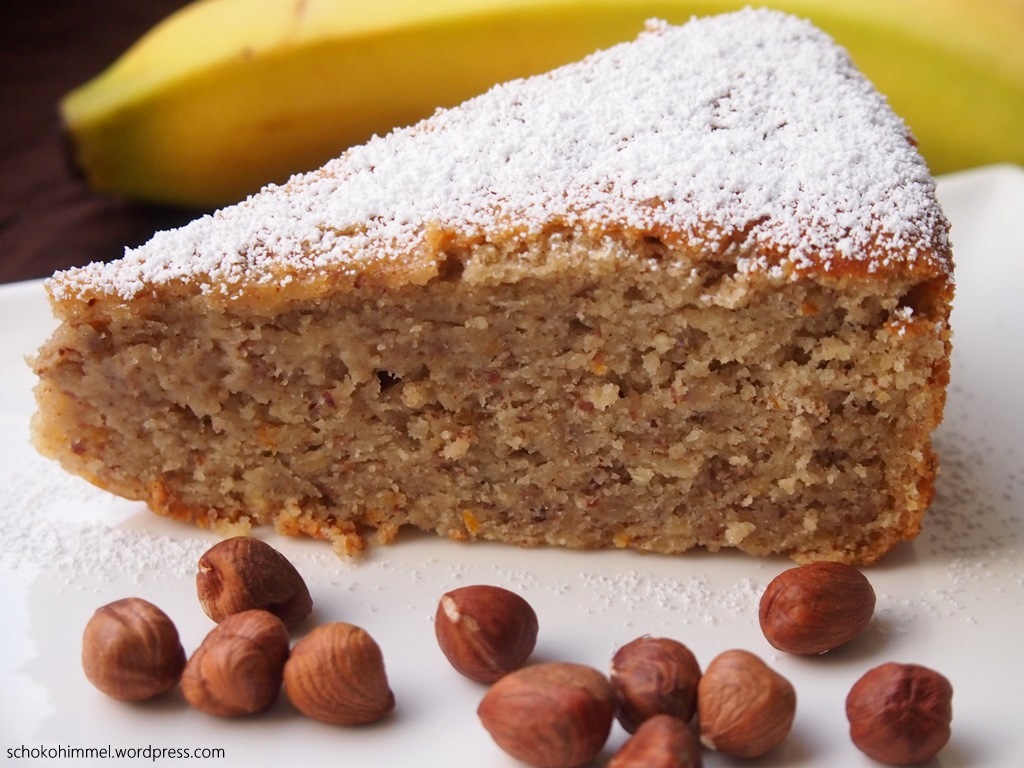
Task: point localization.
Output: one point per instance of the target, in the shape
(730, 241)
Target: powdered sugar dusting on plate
(60, 523)
(751, 126)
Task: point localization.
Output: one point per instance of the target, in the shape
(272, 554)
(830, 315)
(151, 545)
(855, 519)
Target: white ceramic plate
(951, 600)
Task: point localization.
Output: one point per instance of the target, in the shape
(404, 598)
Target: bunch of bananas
(227, 95)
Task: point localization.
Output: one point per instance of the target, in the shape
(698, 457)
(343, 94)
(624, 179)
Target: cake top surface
(751, 127)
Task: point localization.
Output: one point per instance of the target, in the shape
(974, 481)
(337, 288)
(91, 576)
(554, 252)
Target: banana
(225, 96)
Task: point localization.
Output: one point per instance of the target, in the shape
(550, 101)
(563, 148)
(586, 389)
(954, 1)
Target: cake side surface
(636, 404)
(693, 291)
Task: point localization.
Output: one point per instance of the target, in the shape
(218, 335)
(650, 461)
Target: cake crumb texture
(691, 291)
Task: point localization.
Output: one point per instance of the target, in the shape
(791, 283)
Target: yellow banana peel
(227, 95)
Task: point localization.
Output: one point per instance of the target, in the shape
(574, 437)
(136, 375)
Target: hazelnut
(900, 713)
(552, 715)
(237, 669)
(661, 741)
(815, 608)
(243, 573)
(131, 650)
(336, 674)
(744, 707)
(485, 631)
(651, 676)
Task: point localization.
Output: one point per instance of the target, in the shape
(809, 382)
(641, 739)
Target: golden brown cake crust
(750, 129)
(692, 291)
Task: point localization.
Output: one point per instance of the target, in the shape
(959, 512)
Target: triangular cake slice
(693, 290)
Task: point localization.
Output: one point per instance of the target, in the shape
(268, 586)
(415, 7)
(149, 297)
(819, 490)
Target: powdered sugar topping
(752, 126)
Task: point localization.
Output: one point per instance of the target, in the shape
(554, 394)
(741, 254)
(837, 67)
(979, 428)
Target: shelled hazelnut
(744, 707)
(238, 668)
(815, 608)
(900, 714)
(661, 741)
(131, 650)
(652, 676)
(551, 715)
(485, 631)
(243, 573)
(336, 674)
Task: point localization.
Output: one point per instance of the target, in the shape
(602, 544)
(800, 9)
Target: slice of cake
(691, 291)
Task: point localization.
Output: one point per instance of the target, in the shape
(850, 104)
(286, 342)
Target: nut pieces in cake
(131, 650)
(815, 608)
(243, 573)
(485, 631)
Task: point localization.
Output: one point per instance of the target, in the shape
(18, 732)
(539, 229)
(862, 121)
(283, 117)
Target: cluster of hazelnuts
(552, 714)
(335, 673)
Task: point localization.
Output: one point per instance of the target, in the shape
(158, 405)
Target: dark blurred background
(49, 219)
